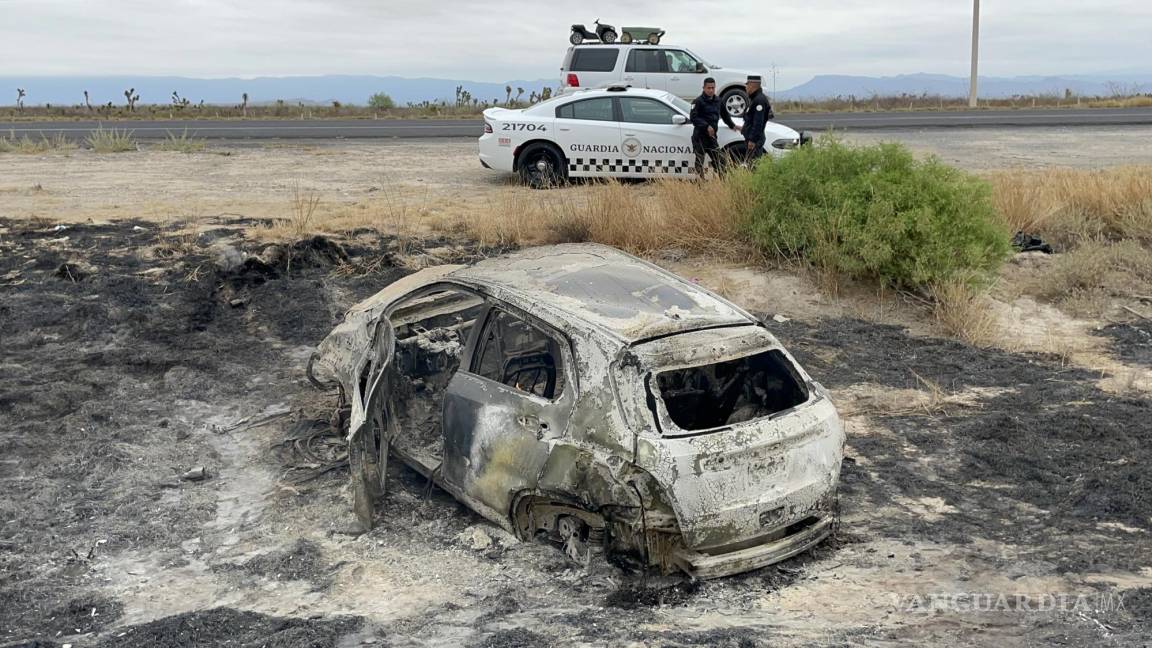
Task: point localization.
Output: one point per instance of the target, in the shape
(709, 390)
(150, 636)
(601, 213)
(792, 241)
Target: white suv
(659, 67)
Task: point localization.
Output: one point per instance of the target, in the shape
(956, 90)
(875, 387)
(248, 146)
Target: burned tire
(541, 166)
(734, 100)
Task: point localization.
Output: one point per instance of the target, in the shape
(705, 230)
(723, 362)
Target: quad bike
(651, 35)
(604, 33)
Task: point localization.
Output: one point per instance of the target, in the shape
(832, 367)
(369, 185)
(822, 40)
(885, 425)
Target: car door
(589, 135)
(685, 74)
(503, 414)
(651, 143)
(645, 68)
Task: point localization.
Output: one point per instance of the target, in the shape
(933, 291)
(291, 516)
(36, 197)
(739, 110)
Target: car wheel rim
(736, 105)
(541, 169)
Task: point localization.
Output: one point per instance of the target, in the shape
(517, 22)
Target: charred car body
(579, 393)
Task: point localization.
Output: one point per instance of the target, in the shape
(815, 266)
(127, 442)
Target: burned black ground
(1051, 456)
(96, 357)
(227, 627)
(1131, 342)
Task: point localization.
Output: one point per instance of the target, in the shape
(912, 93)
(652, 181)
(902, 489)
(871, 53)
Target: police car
(617, 132)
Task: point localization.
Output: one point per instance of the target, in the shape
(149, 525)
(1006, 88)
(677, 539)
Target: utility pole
(975, 51)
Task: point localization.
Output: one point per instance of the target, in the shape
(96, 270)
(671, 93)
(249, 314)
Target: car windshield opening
(731, 392)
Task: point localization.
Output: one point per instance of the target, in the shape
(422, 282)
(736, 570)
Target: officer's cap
(754, 77)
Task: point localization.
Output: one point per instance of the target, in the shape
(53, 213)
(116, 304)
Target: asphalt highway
(417, 128)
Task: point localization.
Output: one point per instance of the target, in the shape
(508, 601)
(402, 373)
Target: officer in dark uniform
(707, 111)
(756, 116)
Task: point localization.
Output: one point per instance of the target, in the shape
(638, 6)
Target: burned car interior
(431, 331)
(731, 392)
(579, 395)
(515, 353)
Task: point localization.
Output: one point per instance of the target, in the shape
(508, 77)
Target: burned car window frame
(475, 350)
(667, 427)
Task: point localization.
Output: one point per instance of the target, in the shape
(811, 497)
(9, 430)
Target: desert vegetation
(381, 105)
(111, 140)
(871, 216)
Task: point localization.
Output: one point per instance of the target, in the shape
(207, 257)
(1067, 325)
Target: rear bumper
(704, 566)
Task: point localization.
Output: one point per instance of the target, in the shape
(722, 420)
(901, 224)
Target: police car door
(589, 135)
(652, 144)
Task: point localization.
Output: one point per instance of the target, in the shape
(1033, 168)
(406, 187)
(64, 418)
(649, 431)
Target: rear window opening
(594, 60)
(727, 393)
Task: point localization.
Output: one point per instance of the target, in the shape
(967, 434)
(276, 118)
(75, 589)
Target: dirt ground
(989, 496)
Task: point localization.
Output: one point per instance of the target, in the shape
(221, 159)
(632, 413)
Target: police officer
(706, 114)
(756, 116)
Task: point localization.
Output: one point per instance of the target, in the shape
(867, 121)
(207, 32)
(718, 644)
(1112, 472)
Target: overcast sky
(521, 39)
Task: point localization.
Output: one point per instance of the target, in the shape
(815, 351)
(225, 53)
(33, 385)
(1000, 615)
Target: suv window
(638, 110)
(520, 355)
(594, 59)
(680, 62)
(599, 109)
(645, 60)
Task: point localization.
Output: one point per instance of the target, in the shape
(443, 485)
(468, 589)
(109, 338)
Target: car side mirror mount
(679, 120)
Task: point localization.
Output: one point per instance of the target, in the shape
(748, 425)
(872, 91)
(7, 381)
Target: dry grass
(27, 145)
(182, 143)
(111, 141)
(697, 217)
(1068, 206)
(1086, 280)
(965, 313)
(300, 222)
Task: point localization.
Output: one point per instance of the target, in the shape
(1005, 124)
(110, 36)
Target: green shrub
(381, 101)
(876, 213)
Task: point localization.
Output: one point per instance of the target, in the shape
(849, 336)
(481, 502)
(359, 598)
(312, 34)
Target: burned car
(579, 394)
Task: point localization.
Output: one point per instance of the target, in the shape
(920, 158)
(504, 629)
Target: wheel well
(549, 506)
(520, 149)
(734, 86)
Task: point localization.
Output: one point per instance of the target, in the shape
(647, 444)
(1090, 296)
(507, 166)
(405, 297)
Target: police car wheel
(735, 101)
(735, 155)
(541, 166)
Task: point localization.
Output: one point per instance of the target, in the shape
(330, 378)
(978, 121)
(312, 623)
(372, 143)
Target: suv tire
(734, 100)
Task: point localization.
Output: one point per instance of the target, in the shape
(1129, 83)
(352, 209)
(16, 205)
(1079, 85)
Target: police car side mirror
(679, 120)
(700, 69)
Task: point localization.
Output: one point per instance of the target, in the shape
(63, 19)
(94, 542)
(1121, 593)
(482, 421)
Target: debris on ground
(199, 473)
(1028, 243)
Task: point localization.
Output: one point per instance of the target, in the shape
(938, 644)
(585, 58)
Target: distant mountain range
(357, 89)
(825, 86)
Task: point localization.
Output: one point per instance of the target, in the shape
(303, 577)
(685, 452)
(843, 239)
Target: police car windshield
(680, 104)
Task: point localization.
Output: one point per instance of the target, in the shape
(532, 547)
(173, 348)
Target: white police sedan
(617, 132)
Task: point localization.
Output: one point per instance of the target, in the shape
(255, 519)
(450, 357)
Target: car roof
(601, 289)
(585, 93)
